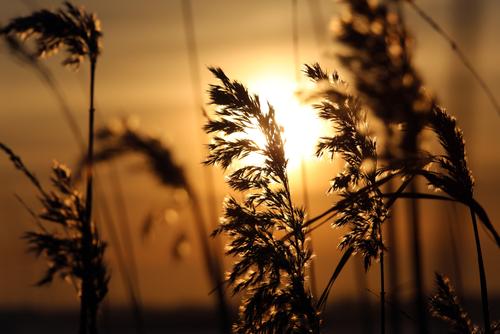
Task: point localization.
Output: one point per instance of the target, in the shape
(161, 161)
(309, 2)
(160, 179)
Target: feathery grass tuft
(71, 27)
(445, 305)
(269, 270)
(61, 228)
(79, 33)
(351, 141)
(119, 139)
(380, 59)
(457, 182)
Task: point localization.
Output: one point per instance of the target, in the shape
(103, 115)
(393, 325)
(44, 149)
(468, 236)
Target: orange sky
(144, 72)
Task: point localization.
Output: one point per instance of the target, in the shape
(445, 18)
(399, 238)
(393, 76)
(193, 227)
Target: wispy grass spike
(78, 32)
(121, 139)
(445, 305)
(353, 144)
(270, 271)
(71, 28)
(362, 208)
(60, 236)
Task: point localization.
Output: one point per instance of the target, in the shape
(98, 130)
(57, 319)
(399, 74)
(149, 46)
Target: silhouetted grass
(117, 141)
(61, 233)
(445, 305)
(270, 271)
(78, 32)
(267, 231)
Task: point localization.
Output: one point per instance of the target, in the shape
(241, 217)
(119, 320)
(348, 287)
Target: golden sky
(144, 72)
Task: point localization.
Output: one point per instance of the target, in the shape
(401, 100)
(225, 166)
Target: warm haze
(144, 74)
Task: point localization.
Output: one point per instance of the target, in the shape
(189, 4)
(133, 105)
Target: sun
(300, 123)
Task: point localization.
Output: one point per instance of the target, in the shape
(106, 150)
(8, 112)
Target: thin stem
(350, 250)
(415, 195)
(318, 23)
(212, 264)
(482, 276)
(125, 229)
(295, 40)
(382, 288)
(393, 266)
(307, 208)
(106, 219)
(88, 311)
(417, 261)
(454, 233)
(215, 255)
(364, 309)
(458, 51)
(471, 203)
(303, 166)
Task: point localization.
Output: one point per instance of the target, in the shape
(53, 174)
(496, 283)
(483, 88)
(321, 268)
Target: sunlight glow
(301, 125)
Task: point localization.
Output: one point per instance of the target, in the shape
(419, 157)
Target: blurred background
(153, 71)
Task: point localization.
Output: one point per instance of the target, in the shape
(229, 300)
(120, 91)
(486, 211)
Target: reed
(445, 305)
(271, 272)
(114, 142)
(60, 235)
(78, 32)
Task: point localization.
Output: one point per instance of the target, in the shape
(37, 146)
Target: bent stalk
(482, 276)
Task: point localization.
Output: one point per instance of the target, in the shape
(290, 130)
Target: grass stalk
(88, 310)
(393, 268)
(303, 164)
(307, 207)
(416, 244)
(103, 215)
(125, 229)
(212, 265)
(215, 253)
(349, 251)
(482, 276)
(382, 289)
(455, 239)
(458, 51)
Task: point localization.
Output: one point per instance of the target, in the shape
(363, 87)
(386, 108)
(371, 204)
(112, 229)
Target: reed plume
(79, 33)
(455, 179)
(122, 139)
(364, 211)
(60, 234)
(354, 145)
(445, 305)
(71, 28)
(270, 271)
(380, 58)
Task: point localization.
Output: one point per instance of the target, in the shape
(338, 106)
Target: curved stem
(460, 54)
(417, 195)
(482, 276)
(343, 204)
(471, 203)
(347, 254)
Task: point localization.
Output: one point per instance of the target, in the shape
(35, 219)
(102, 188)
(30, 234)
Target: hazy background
(144, 72)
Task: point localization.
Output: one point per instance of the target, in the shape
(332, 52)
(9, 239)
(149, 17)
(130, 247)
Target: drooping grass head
(70, 27)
